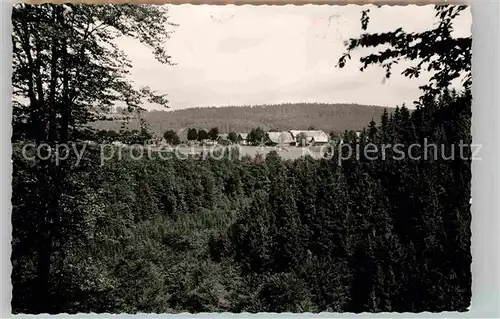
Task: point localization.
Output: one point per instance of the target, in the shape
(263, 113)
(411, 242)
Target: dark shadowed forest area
(236, 234)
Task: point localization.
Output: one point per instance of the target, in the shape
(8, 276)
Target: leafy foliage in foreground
(67, 67)
(228, 235)
(256, 234)
(436, 50)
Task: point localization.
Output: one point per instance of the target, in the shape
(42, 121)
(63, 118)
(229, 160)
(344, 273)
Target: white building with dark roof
(242, 138)
(280, 138)
(310, 137)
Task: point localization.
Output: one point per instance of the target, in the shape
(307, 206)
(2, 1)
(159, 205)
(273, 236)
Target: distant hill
(327, 117)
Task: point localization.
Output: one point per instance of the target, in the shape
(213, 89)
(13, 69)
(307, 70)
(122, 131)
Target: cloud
(244, 55)
(232, 45)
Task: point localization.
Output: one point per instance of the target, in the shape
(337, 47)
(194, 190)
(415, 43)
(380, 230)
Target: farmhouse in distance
(272, 138)
(327, 117)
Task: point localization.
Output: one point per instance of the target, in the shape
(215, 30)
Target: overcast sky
(241, 55)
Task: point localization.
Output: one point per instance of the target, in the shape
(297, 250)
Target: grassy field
(252, 151)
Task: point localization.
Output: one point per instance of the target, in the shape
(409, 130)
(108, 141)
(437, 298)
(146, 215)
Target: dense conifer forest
(258, 234)
(299, 116)
(253, 234)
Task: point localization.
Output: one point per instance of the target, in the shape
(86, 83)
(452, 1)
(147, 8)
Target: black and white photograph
(241, 159)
